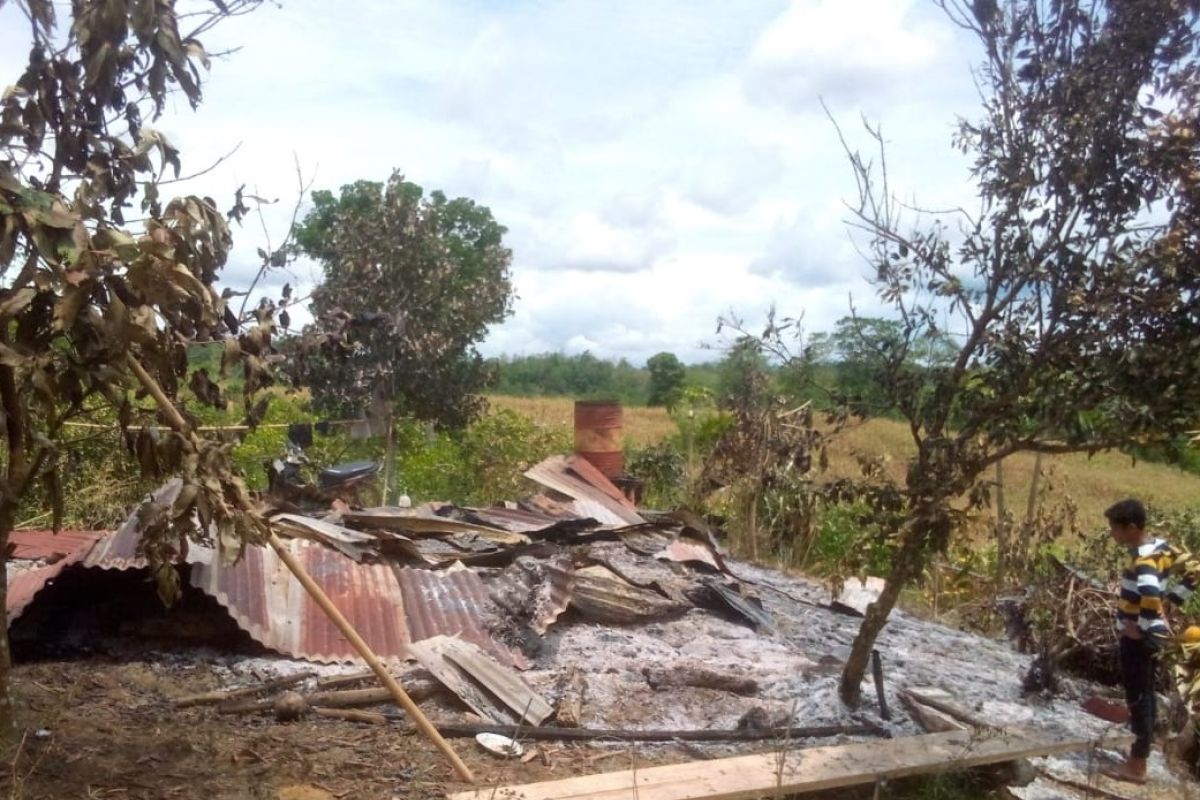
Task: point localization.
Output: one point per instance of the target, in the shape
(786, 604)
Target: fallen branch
(348, 698)
(225, 695)
(929, 719)
(946, 706)
(351, 715)
(344, 680)
(701, 678)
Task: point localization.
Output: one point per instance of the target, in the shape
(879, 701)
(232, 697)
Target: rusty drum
(599, 435)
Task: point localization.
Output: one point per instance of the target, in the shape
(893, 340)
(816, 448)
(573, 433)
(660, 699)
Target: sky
(658, 163)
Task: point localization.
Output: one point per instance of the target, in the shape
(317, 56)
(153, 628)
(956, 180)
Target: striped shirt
(1147, 581)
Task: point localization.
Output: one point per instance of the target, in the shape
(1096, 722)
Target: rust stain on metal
(267, 601)
(61, 550)
(452, 603)
(46, 545)
(591, 494)
(684, 551)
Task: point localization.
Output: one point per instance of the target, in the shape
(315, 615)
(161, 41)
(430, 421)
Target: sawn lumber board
(800, 771)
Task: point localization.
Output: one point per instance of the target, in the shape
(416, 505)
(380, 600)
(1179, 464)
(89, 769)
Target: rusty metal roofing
(688, 551)
(453, 602)
(268, 602)
(46, 545)
(425, 521)
(61, 550)
(591, 494)
(389, 607)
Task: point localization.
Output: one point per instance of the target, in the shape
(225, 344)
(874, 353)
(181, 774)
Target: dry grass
(642, 425)
(1093, 483)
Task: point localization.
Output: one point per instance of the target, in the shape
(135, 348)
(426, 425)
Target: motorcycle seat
(341, 473)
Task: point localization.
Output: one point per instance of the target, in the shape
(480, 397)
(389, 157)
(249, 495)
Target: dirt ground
(107, 729)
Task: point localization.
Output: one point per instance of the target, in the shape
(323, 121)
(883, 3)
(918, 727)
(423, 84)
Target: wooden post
(389, 456)
(398, 694)
(877, 673)
(401, 697)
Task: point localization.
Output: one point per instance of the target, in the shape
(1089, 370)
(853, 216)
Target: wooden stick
(950, 708)
(342, 680)
(352, 715)
(315, 591)
(877, 673)
(397, 691)
(348, 698)
(224, 695)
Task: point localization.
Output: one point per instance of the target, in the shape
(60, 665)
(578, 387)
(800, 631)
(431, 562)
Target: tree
(860, 347)
(667, 375)
(411, 285)
(1077, 282)
(97, 313)
(742, 374)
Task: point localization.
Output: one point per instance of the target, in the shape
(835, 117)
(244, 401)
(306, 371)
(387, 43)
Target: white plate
(499, 745)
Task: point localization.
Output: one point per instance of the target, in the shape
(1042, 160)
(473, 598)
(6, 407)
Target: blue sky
(657, 163)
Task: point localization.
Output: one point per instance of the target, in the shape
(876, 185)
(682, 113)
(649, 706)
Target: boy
(1143, 630)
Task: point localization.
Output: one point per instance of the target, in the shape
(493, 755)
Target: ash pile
(568, 610)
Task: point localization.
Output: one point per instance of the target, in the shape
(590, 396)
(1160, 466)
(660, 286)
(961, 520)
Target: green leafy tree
(861, 348)
(743, 375)
(1077, 283)
(667, 375)
(411, 284)
(97, 312)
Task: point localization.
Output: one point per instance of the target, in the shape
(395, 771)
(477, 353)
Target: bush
(662, 468)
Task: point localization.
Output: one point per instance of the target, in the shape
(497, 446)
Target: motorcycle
(286, 482)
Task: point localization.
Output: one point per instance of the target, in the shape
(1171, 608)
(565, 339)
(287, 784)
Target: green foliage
(849, 541)
(663, 470)
(582, 377)
(667, 376)
(480, 465)
(742, 373)
(411, 284)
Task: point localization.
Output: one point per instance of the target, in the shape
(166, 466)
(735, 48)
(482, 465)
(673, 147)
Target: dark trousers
(1137, 676)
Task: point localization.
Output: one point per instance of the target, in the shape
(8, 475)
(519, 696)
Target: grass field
(642, 425)
(1092, 483)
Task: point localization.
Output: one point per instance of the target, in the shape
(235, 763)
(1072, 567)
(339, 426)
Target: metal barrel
(599, 435)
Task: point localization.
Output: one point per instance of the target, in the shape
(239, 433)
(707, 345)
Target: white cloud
(657, 164)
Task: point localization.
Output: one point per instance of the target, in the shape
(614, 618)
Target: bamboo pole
(401, 697)
(398, 694)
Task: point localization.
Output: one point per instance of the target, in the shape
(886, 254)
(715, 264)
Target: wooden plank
(800, 771)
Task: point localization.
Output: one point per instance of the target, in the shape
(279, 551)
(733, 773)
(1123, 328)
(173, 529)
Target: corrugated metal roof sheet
(602, 595)
(592, 495)
(62, 549)
(535, 590)
(388, 606)
(453, 603)
(120, 551)
(47, 545)
(267, 601)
